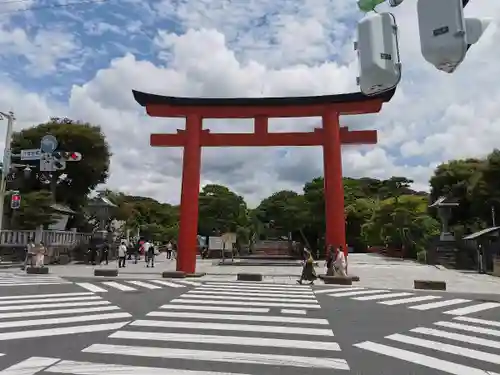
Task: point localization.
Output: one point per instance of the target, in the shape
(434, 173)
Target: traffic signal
(73, 156)
(59, 160)
(15, 200)
(445, 34)
(378, 53)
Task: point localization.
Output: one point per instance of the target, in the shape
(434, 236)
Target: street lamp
(6, 160)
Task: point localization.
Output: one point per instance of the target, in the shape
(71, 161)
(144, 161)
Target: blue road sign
(49, 143)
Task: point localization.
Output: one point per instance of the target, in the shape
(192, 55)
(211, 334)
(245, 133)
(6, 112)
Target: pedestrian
(330, 258)
(92, 253)
(104, 253)
(30, 254)
(169, 250)
(480, 261)
(340, 263)
(40, 255)
(174, 250)
(144, 249)
(122, 254)
(308, 272)
(150, 256)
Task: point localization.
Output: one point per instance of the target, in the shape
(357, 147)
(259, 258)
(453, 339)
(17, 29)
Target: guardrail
(14, 238)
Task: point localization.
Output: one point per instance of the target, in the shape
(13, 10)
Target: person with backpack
(149, 255)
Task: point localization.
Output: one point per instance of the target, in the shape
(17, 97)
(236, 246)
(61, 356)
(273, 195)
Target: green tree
(285, 210)
(155, 220)
(35, 210)
(361, 198)
(401, 223)
(484, 194)
(314, 196)
(84, 175)
(460, 180)
(221, 210)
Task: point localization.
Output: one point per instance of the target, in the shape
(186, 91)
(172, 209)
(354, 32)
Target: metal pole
(6, 162)
(493, 217)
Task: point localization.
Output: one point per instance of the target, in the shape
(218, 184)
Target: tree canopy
(83, 176)
(378, 212)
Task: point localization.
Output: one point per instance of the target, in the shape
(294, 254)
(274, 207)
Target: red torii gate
(331, 136)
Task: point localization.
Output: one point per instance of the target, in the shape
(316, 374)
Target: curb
(106, 272)
(173, 275)
(429, 285)
(196, 274)
(37, 270)
(249, 277)
(353, 278)
(338, 280)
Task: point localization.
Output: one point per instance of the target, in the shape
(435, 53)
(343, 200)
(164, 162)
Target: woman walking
(340, 263)
(308, 272)
(330, 258)
(40, 254)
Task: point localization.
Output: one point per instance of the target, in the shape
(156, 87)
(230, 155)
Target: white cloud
(267, 48)
(42, 51)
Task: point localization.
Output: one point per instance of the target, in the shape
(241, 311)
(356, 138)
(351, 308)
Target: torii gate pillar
(190, 190)
(334, 185)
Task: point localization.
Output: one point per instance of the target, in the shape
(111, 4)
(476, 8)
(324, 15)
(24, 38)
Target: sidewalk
(374, 272)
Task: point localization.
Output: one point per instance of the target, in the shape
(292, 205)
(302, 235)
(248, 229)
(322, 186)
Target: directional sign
(31, 154)
(49, 143)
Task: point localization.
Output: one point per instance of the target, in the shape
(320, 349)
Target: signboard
(215, 243)
(31, 154)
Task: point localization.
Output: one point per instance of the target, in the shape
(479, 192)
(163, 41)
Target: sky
(82, 62)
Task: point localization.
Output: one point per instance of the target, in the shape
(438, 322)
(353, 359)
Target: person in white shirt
(340, 263)
(122, 254)
(169, 250)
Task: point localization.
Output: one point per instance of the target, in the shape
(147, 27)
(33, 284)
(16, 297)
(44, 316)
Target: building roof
(445, 202)
(481, 233)
(101, 201)
(62, 208)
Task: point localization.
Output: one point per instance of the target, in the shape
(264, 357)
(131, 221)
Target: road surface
(51, 325)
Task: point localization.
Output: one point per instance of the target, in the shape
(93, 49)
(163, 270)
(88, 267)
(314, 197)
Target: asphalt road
(214, 328)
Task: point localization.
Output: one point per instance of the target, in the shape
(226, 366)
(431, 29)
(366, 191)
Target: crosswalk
(42, 315)
(134, 285)
(253, 329)
(21, 279)
(412, 301)
(470, 346)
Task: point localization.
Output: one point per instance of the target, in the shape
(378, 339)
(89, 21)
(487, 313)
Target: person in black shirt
(104, 253)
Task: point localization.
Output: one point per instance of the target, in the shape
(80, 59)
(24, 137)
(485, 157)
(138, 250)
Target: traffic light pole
(6, 161)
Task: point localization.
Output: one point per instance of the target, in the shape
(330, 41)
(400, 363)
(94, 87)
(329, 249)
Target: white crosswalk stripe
(200, 336)
(132, 285)
(413, 301)
(29, 366)
(423, 346)
(22, 279)
(57, 314)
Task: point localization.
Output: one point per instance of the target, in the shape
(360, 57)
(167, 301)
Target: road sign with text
(31, 154)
